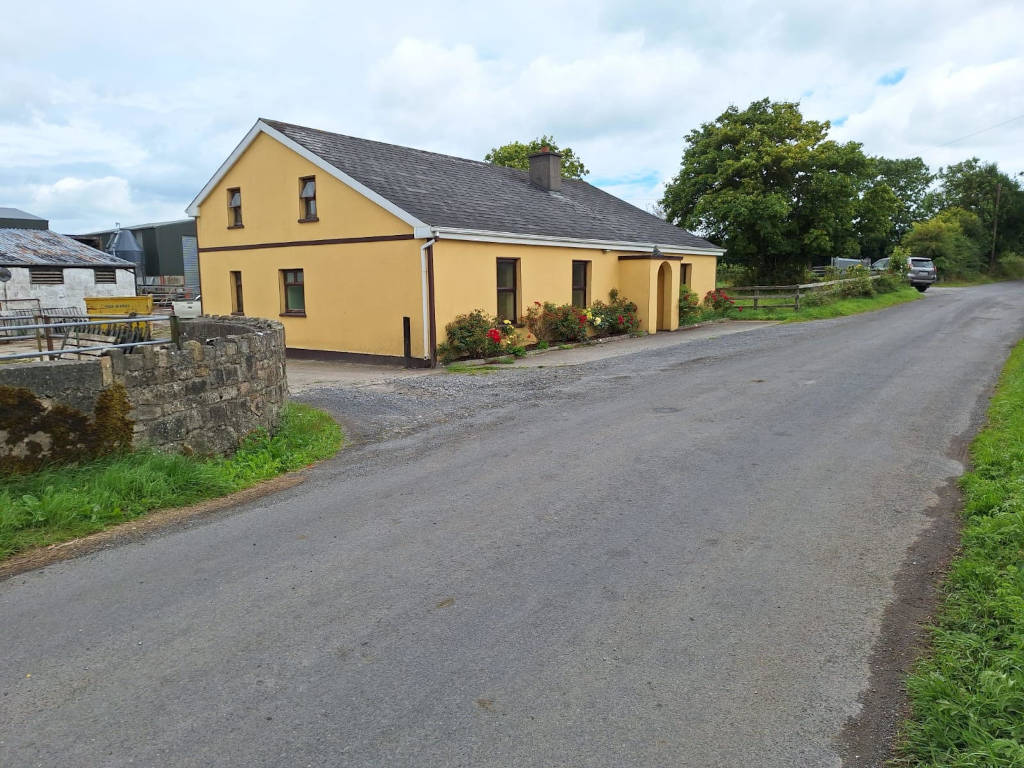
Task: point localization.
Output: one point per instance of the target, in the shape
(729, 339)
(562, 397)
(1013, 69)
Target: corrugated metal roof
(41, 247)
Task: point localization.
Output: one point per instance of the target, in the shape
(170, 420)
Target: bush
(898, 263)
(1011, 265)
(689, 306)
(858, 283)
(733, 274)
(476, 335)
(618, 315)
(887, 282)
(565, 323)
(719, 304)
(551, 322)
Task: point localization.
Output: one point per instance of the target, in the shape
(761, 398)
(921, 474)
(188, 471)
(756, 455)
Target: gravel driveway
(680, 557)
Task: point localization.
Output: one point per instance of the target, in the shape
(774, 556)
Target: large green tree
(952, 239)
(910, 179)
(516, 154)
(775, 191)
(994, 197)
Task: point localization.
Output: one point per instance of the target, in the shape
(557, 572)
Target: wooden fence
(782, 296)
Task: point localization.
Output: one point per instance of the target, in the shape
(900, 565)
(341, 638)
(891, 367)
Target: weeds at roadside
(967, 695)
(63, 503)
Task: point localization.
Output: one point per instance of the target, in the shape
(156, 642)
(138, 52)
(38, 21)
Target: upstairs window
(294, 289)
(105, 275)
(307, 198)
(46, 275)
(580, 275)
(234, 208)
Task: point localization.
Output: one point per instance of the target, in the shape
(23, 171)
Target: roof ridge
(446, 156)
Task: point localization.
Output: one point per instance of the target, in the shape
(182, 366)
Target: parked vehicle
(920, 272)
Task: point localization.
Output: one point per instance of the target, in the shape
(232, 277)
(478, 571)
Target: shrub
(475, 335)
(1011, 265)
(689, 306)
(552, 322)
(887, 282)
(557, 323)
(733, 274)
(898, 263)
(858, 283)
(719, 303)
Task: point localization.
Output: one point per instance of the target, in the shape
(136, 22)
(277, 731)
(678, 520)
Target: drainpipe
(427, 354)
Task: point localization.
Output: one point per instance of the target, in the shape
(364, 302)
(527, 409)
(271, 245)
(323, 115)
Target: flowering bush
(476, 335)
(617, 315)
(719, 301)
(560, 323)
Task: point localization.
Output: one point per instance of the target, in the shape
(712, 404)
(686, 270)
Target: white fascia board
(420, 229)
(513, 238)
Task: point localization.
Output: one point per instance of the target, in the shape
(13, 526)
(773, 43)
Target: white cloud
(620, 82)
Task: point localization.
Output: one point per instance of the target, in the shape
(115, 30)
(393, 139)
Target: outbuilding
(54, 269)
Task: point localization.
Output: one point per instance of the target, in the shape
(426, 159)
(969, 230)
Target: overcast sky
(121, 111)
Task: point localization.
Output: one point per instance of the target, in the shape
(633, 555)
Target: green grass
(968, 694)
(62, 503)
(836, 308)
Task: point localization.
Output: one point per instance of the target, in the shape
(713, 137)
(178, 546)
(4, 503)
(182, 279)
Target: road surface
(679, 557)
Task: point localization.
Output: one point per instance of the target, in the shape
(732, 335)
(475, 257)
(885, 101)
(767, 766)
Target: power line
(991, 127)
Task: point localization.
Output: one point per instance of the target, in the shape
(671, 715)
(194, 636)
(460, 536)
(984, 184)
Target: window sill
(236, 226)
(238, 314)
(292, 314)
(309, 221)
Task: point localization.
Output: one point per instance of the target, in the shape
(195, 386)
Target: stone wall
(227, 380)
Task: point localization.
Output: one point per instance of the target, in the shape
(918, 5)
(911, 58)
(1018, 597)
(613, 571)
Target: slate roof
(446, 191)
(43, 248)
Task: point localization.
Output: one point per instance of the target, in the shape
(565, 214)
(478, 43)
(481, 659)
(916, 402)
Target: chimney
(546, 170)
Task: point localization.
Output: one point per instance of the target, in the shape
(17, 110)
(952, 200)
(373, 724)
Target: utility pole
(995, 224)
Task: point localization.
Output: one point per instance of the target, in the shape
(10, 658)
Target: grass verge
(967, 696)
(63, 503)
(836, 308)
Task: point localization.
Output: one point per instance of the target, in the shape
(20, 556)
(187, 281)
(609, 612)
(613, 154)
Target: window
(46, 275)
(684, 277)
(307, 197)
(234, 208)
(105, 275)
(294, 292)
(507, 301)
(236, 294)
(580, 275)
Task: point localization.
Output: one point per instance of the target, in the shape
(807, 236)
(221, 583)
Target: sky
(121, 111)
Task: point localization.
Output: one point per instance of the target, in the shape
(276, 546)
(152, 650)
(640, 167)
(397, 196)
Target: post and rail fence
(781, 296)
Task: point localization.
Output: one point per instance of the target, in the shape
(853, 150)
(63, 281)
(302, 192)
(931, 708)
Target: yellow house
(367, 250)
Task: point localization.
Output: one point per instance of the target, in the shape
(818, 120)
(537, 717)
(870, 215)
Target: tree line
(780, 196)
(774, 190)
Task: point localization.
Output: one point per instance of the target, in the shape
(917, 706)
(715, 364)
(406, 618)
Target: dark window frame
(584, 287)
(235, 211)
(288, 281)
(237, 304)
(514, 290)
(307, 205)
(47, 273)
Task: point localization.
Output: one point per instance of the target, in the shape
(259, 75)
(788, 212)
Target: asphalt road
(680, 557)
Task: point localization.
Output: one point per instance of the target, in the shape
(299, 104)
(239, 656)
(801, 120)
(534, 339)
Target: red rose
(494, 334)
